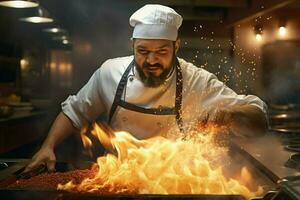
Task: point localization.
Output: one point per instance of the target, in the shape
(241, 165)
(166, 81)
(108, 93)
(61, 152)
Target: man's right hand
(61, 128)
(45, 156)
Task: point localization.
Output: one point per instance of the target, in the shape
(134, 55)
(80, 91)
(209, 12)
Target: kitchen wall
(102, 31)
(107, 35)
(252, 55)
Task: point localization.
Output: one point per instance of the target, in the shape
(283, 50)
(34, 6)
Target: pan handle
(26, 175)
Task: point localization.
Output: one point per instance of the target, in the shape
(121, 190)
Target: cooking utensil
(284, 107)
(20, 174)
(287, 128)
(295, 147)
(16, 166)
(3, 165)
(282, 118)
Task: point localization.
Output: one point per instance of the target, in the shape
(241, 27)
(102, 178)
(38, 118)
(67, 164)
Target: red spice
(50, 181)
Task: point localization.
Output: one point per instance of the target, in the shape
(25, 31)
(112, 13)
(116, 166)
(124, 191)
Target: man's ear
(177, 45)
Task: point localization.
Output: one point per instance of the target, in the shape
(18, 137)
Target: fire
(160, 166)
(86, 141)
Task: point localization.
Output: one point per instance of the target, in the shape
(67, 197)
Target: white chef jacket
(201, 91)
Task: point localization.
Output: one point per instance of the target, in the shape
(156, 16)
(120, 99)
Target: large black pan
(24, 193)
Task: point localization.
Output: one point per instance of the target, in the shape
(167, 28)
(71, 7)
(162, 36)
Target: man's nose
(152, 58)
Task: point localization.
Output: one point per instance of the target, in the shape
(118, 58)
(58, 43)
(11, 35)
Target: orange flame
(159, 166)
(87, 142)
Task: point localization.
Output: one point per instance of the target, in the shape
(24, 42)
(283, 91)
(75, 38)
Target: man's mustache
(147, 65)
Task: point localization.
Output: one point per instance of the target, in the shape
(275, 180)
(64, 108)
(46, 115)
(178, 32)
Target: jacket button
(160, 107)
(159, 124)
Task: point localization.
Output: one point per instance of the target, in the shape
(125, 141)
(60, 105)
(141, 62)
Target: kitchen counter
(22, 115)
(269, 151)
(21, 129)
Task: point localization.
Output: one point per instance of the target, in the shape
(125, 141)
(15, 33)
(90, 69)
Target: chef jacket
(201, 91)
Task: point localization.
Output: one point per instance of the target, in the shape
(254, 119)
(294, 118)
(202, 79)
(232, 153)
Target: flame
(246, 176)
(160, 166)
(87, 143)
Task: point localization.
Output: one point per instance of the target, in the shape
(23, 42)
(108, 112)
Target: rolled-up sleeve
(218, 94)
(84, 107)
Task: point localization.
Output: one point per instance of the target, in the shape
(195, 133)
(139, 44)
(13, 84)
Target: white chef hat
(155, 21)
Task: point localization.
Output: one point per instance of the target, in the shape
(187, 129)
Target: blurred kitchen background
(50, 49)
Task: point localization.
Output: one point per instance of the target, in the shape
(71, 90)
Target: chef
(153, 92)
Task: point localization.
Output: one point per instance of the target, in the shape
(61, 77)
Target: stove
(274, 158)
(278, 155)
(12, 165)
(293, 162)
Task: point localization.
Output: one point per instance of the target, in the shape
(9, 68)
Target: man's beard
(149, 79)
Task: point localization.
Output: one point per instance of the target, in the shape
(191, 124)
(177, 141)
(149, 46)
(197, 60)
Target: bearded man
(153, 91)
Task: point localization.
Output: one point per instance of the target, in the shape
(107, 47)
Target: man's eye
(162, 52)
(144, 52)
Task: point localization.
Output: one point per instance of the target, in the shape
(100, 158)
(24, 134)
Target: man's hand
(45, 156)
(61, 128)
(218, 116)
(245, 120)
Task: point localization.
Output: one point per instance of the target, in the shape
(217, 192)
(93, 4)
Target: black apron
(153, 111)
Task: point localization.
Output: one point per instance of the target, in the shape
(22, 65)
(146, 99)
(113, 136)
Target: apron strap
(163, 111)
(153, 111)
(119, 91)
(178, 99)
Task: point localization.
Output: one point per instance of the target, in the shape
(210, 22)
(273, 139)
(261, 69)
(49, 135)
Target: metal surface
(270, 153)
(264, 157)
(285, 120)
(286, 115)
(45, 195)
(20, 174)
(16, 167)
(256, 164)
(10, 166)
(284, 107)
(293, 161)
(293, 147)
(287, 128)
(289, 190)
(15, 193)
